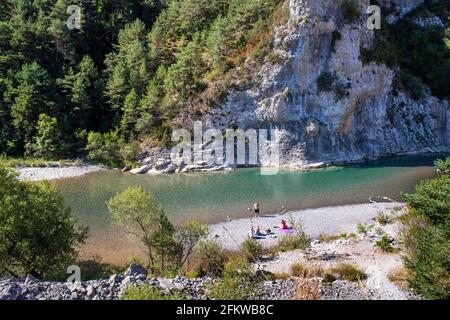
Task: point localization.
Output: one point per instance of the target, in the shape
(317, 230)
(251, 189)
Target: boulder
(134, 270)
(30, 279)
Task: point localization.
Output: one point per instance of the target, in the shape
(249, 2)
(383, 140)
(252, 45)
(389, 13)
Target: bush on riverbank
(298, 239)
(145, 292)
(37, 232)
(237, 282)
(168, 247)
(344, 271)
(425, 234)
(252, 250)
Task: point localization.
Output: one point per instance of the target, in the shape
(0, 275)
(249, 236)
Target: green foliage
(188, 236)
(362, 229)
(411, 84)
(383, 218)
(168, 248)
(325, 81)
(48, 142)
(37, 232)
(351, 10)
(211, 258)
(141, 215)
(385, 244)
(297, 240)
(236, 283)
(432, 201)
(145, 292)
(109, 148)
(252, 250)
(344, 271)
(425, 232)
(421, 53)
(443, 166)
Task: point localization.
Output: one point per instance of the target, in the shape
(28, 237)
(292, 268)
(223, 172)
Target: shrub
(109, 148)
(411, 84)
(344, 271)
(325, 82)
(252, 250)
(48, 142)
(307, 289)
(432, 201)
(351, 10)
(443, 166)
(383, 219)
(237, 282)
(425, 250)
(145, 292)
(362, 229)
(385, 244)
(292, 242)
(424, 234)
(298, 239)
(37, 232)
(300, 270)
(211, 257)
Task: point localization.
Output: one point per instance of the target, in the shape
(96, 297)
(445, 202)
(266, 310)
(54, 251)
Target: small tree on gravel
(141, 215)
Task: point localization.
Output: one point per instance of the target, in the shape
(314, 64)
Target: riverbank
(316, 222)
(55, 173)
(284, 272)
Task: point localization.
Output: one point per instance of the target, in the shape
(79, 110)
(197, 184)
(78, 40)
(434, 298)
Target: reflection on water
(210, 197)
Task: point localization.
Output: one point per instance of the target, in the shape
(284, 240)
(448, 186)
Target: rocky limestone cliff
(362, 118)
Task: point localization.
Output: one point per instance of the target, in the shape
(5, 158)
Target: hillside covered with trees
(131, 68)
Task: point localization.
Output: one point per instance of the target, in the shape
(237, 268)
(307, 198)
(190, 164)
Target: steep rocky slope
(359, 116)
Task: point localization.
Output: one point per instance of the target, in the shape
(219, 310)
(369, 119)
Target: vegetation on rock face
(37, 232)
(421, 53)
(425, 235)
(123, 77)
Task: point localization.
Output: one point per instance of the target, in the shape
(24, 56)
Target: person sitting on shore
(251, 233)
(283, 225)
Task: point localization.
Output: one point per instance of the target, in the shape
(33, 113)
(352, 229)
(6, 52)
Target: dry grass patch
(344, 271)
(307, 289)
(399, 277)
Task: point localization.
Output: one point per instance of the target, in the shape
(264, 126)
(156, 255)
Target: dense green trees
(131, 68)
(37, 232)
(422, 54)
(426, 232)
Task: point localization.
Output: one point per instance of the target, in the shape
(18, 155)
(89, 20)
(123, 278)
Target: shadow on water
(416, 160)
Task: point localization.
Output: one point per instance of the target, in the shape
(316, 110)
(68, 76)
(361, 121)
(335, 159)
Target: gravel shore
(328, 220)
(54, 173)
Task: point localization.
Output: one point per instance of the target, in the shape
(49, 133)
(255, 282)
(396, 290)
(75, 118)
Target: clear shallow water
(211, 197)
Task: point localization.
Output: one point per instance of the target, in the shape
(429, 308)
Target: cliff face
(358, 117)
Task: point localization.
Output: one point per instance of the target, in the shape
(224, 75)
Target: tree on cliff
(37, 232)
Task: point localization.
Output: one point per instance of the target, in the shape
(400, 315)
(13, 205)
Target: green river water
(211, 197)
